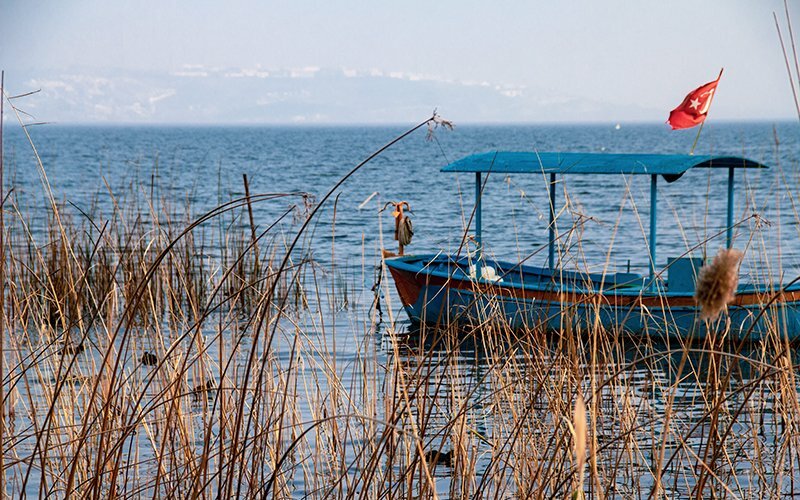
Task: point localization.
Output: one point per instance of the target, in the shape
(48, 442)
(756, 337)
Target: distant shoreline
(600, 124)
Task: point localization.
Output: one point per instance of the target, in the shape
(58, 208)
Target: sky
(344, 61)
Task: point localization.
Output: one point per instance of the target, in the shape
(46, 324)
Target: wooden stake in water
(252, 220)
(249, 207)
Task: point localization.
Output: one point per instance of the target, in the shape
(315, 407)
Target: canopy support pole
(729, 232)
(551, 256)
(653, 228)
(478, 236)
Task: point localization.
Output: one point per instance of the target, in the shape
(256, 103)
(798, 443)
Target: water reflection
(664, 416)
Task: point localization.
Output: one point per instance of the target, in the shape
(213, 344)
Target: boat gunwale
(404, 263)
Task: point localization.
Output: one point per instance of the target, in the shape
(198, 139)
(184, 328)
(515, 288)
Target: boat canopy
(671, 167)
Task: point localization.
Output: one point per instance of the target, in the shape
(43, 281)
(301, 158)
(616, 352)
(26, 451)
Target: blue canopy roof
(671, 167)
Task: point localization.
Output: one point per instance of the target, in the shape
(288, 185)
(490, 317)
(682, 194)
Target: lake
(477, 393)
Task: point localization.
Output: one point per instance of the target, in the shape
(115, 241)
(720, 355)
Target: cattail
(716, 285)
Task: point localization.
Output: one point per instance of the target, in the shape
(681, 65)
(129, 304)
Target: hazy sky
(631, 54)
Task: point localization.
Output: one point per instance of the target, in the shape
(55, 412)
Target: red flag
(694, 108)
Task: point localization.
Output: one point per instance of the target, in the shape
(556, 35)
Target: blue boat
(438, 289)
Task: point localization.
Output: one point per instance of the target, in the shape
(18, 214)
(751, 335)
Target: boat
(440, 288)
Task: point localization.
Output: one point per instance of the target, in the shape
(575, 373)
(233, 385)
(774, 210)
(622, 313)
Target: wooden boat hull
(438, 290)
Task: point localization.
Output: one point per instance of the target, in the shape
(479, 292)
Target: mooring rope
(405, 230)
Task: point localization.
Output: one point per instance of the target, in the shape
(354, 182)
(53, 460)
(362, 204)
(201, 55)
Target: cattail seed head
(717, 282)
(579, 424)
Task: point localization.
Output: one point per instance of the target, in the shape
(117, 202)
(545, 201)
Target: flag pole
(711, 99)
(697, 137)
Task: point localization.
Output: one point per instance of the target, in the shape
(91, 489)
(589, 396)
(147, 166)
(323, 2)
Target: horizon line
(723, 121)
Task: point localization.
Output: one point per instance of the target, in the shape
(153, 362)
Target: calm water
(203, 167)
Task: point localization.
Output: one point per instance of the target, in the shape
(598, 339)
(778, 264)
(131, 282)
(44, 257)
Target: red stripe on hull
(409, 286)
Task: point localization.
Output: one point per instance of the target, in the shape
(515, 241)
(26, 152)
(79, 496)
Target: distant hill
(196, 94)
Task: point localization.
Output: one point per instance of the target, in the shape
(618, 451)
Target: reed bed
(152, 351)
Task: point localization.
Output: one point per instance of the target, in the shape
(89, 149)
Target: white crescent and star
(707, 103)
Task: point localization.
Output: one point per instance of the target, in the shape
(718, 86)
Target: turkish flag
(694, 108)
